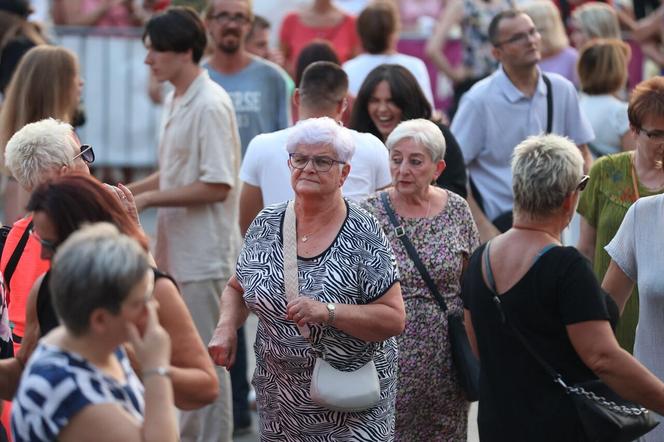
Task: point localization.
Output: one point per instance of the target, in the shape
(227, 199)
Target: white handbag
(330, 388)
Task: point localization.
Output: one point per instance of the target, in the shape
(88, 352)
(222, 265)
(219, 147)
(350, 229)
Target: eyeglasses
(321, 163)
(87, 154)
(583, 183)
(653, 135)
(521, 37)
(48, 245)
(223, 18)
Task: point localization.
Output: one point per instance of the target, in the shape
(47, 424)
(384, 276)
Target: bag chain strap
(634, 411)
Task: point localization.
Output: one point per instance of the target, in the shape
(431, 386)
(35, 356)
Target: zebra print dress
(358, 268)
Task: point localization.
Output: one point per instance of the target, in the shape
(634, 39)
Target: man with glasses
(35, 154)
(504, 109)
(264, 172)
(195, 190)
(260, 89)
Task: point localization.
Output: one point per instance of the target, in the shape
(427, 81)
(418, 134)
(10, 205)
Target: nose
(148, 58)
(309, 167)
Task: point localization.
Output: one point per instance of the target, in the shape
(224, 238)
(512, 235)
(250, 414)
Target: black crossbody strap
(549, 104)
(16, 255)
(401, 234)
(503, 316)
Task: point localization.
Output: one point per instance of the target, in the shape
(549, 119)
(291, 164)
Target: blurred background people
(616, 182)
(473, 16)
(320, 19)
(108, 307)
(101, 13)
(602, 69)
(378, 27)
(389, 95)
(353, 312)
(46, 84)
(551, 296)
(430, 404)
(593, 20)
(557, 54)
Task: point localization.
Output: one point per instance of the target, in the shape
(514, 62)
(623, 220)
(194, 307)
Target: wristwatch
(331, 309)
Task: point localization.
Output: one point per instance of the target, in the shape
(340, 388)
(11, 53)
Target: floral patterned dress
(430, 404)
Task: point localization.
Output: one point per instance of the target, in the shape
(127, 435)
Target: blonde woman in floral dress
(430, 404)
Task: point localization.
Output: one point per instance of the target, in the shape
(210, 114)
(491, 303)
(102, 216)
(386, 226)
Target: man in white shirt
(265, 173)
(195, 190)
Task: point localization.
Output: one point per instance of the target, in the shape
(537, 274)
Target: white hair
(326, 131)
(422, 132)
(38, 149)
(545, 169)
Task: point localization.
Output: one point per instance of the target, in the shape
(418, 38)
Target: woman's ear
(345, 170)
(440, 168)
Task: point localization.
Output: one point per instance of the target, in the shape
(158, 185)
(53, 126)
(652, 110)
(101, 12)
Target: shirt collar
(194, 87)
(511, 92)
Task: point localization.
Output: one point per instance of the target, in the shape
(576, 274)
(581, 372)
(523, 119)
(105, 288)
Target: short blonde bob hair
(602, 66)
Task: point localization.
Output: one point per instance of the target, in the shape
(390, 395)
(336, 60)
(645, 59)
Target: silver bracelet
(159, 371)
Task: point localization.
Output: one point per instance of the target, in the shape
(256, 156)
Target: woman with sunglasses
(617, 181)
(61, 207)
(345, 292)
(525, 280)
(46, 84)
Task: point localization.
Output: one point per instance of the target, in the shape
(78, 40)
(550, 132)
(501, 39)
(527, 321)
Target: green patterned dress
(604, 204)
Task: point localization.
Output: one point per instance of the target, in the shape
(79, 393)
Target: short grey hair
(422, 132)
(324, 130)
(38, 149)
(545, 169)
(96, 267)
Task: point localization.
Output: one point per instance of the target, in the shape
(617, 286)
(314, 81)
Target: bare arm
(485, 227)
(374, 322)
(68, 12)
(192, 194)
(587, 157)
(451, 16)
(251, 203)
(234, 312)
(195, 382)
(617, 284)
(587, 238)
(470, 331)
(151, 182)
(595, 343)
(10, 374)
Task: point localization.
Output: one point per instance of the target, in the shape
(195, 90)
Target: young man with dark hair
(260, 89)
(265, 173)
(195, 189)
(502, 110)
(378, 26)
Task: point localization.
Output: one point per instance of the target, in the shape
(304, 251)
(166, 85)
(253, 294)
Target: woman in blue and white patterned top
(78, 384)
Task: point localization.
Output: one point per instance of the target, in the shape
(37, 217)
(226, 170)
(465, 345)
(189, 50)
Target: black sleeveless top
(46, 316)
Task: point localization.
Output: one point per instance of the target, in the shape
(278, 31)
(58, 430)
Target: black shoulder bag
(605, 416)
(466, 364)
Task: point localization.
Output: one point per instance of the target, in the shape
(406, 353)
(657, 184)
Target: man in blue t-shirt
(260, 89)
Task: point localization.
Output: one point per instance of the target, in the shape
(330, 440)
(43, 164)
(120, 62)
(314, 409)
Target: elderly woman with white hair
(342, 301)
(430, 403)
(528, 297)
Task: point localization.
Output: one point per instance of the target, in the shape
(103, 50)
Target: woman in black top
(389, 95)
(61, 207)
(549, 293)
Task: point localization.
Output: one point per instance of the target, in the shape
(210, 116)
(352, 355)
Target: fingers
(134, 335)
(127, 193)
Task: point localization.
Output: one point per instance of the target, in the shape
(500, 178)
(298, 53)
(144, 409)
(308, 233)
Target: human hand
(153, 349)
(223, 346)
(458, 74)
(303, 311)
(127, 199)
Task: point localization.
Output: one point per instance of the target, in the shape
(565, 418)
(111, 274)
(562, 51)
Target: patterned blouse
(57, 384)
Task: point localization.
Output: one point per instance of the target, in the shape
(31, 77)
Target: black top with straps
(518, 399)
(46, 316)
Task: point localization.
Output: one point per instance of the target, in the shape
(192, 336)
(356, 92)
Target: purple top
(563, 63)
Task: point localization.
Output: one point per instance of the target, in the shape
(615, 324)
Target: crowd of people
(318, 186)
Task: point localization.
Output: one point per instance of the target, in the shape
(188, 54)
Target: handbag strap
(491, 284)
(549, 104)
(16, 255)
(401, 234)
(291, 282)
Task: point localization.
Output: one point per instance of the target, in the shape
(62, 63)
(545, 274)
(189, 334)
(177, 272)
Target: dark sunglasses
(48, 245)
(583, 183)
(87, 154)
